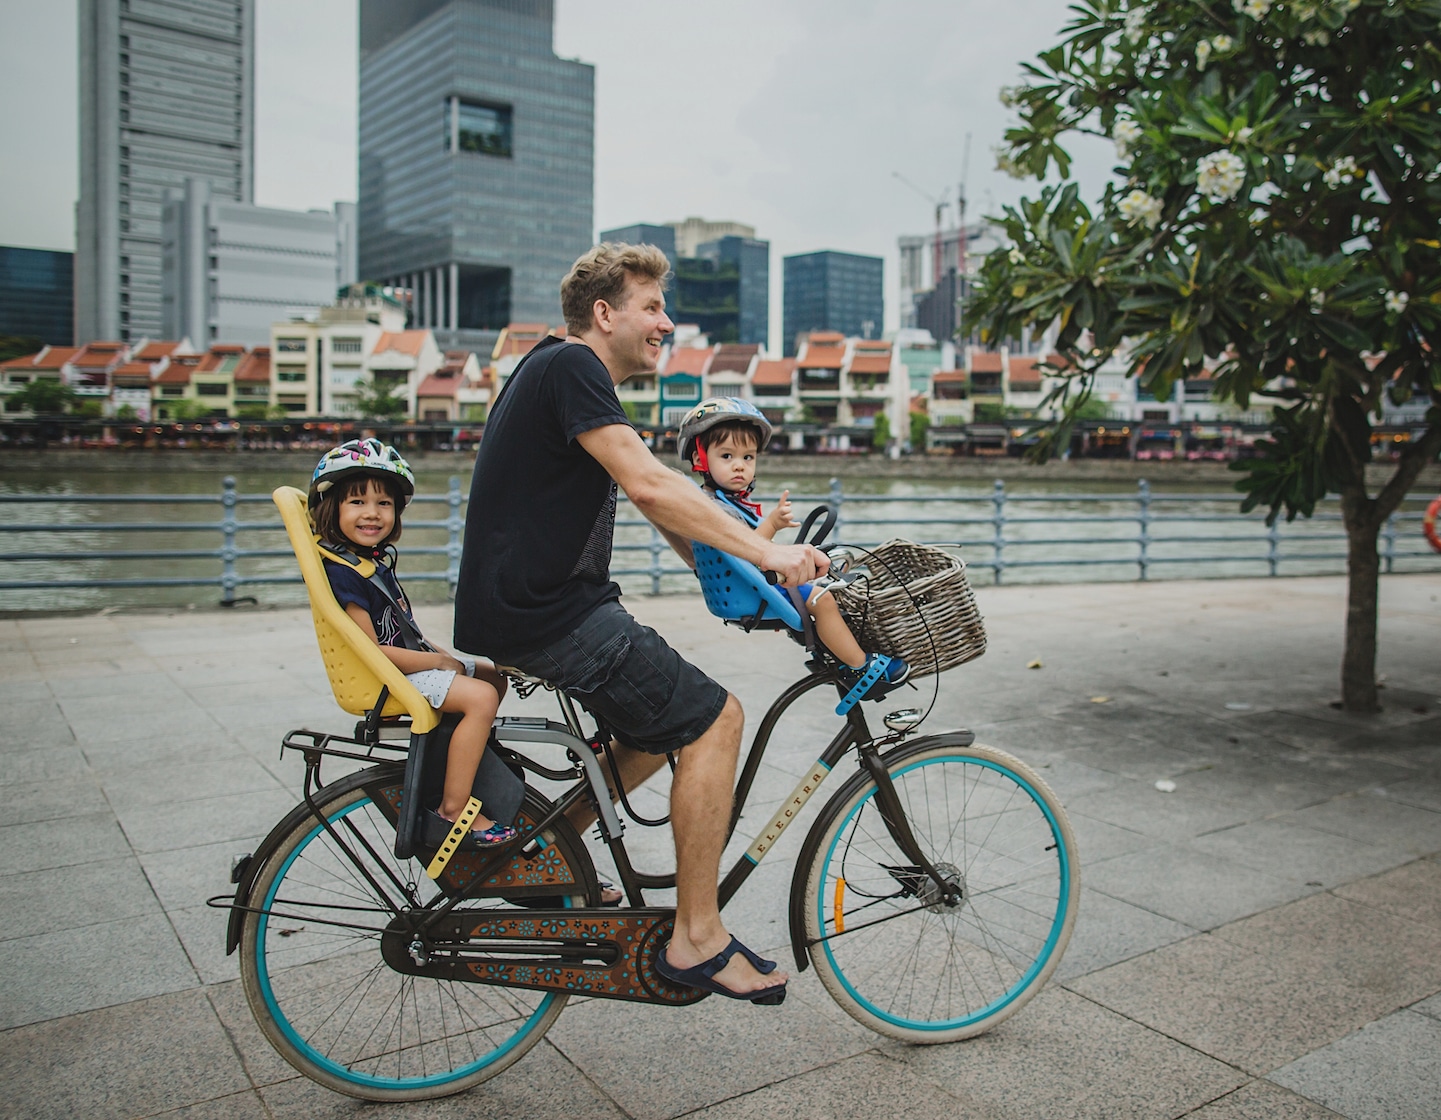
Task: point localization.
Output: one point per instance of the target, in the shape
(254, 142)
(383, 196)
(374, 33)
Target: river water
(1081, 531)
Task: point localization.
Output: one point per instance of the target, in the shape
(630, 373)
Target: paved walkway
(1265, 941)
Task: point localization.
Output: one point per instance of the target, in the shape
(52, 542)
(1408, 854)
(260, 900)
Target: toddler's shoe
(437, 828)
(895, 673)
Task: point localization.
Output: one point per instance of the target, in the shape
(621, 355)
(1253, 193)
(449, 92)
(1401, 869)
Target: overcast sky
(788, 115)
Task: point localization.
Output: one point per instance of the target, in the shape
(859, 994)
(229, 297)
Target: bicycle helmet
(713, 411)
(360, 456)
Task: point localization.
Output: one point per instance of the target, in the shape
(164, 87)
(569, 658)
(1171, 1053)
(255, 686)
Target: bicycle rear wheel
(319, 988)
(887, 945)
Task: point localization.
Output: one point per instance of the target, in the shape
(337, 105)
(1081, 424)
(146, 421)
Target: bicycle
(934, 894)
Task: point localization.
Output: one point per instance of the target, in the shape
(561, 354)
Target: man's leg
(636, 767)
(700, 806)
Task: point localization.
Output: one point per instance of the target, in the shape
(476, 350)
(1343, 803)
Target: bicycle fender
(256, 860)
(812, 843)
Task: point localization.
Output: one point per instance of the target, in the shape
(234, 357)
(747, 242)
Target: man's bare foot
(739, 975)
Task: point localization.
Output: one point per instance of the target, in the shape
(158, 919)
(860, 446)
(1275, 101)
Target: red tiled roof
(777, 372)
(689, 359)
(98, 355)
(255, 366)
(216, 355)
(402, 342)
(519, 338)
(985, 361)
(176, 373)
(826, 338)
(947, 376)
(872, 344)
(823, 357)
(871, 363)
(439, 385)
(734, 357)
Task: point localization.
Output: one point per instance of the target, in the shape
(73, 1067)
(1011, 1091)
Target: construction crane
(961, 210)
(940, 204)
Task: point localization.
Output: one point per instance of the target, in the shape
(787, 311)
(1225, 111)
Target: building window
(481, 129)
(289, 373)
(290, 345)
(345, 346)
(211, 389)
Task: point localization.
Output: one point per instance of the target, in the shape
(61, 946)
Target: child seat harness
(367, 568)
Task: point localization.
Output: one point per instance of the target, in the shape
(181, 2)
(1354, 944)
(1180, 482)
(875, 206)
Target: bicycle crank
(598, 952)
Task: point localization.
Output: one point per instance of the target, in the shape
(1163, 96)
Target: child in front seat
(721, 439)
(356, 497)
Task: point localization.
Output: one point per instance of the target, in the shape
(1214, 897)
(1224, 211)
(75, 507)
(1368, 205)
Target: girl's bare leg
(832, 630)
(476, 700)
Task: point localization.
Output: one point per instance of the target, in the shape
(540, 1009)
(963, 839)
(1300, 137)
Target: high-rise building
(231, 269)
(166, 93)
(692, 233)
(476, 161)
(830, 291)
(36, 294)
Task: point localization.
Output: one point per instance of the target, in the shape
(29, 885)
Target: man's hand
(795, 563)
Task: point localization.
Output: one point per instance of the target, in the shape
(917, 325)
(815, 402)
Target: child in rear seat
(356, 497)
(721, 439)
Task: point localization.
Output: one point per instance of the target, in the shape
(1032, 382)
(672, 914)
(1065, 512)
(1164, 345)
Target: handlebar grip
(772, 578)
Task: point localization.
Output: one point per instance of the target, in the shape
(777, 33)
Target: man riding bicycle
(535, 590)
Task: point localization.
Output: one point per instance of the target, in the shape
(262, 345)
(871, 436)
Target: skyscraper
(476, 161)
(166, 93)
(831, 291)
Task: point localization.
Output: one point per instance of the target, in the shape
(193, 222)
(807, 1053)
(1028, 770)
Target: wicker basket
(914, 601)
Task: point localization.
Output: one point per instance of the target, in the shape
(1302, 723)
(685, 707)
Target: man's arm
(679, 509)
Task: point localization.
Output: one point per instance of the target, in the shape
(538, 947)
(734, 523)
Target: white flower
(1222, 43)
(1136, 25)
(1244, 134)
(1203, 53)
(1396, 302)
(1219, 175)
(1339, 172)
(1139, 207)
(1318, 37)
(1256, 9)
(1318, 300)
(1125, 133)
(1015, 256)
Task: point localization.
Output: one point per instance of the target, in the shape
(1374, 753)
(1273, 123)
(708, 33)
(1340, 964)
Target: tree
(378, 400)
(920, 424)
(881, 435)
(44, 396)
(1277, 221)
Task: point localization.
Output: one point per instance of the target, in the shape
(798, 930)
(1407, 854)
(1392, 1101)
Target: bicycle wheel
(319, 988)
(888, 946)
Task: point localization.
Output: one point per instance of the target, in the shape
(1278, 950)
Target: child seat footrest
(862, 686)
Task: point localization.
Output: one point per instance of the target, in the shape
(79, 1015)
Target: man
(535, 590)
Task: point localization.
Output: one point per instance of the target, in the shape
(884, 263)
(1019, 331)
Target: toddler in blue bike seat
(356, 497)
(721, 440)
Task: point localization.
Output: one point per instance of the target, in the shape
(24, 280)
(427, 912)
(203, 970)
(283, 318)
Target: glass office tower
(831, 291)
(166, 93)
(37, 294)
(476, 161)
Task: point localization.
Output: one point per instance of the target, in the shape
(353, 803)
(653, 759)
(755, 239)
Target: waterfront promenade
(1264, 941)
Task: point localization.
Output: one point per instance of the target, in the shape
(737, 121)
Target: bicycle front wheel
(319, 987)
(891, 949)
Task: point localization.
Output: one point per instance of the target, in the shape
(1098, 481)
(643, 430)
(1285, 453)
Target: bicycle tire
(890, 951)
(324, 996)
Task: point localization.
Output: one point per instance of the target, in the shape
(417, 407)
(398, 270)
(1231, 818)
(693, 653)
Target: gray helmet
(719, 410)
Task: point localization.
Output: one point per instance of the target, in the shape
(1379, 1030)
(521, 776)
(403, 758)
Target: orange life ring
(1428, 524)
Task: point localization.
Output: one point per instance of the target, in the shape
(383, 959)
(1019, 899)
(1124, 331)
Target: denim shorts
(649, 696)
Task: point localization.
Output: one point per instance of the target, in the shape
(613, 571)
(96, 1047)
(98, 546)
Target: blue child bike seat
(735, 590)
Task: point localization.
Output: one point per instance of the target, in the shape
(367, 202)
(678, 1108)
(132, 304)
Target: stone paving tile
(262, 1062)
(1200, 890)
(104, 890)
(211, 820)
(1066, 1058)
(1108, 931)
(1261, 1100)
(1140, 807)
(186, 877)
(1387, 1070)
(865, 1085)
(1413, 891)
(1099, 841)
(1291, 851)
(42, 764)
(1430, 1007)
(1376, 820)
(61, 972)
(111, 757)
(117, 687)
(53, 800)
(236, 1106)
(139, 1059)
(84, 837)
(744, 1048)
(191, 725)
(172, 782)
(541, 1086)
(201, 930)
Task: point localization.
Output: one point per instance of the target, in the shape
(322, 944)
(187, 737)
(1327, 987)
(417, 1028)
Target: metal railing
(1143, 530)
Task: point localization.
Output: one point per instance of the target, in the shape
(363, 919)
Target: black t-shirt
(541, 518)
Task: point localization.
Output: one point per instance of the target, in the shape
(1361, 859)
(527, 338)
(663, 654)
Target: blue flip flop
(702, 976)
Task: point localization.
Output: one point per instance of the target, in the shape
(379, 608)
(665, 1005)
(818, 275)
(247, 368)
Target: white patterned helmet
(360, 456)
(719, 410)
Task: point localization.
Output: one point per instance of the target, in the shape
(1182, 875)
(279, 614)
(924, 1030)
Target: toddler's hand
(782, 512)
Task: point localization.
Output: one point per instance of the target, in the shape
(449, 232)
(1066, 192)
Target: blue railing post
(998, 525)
(1388, 547)
(228, 527)
(1144, 557)
(455, 527)
(836, 499)
(657, 545)
(1273, 546)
